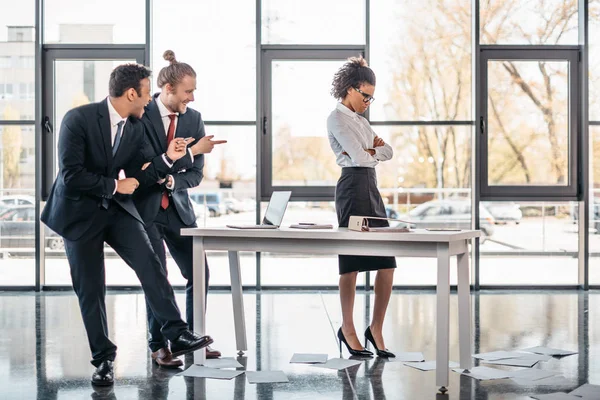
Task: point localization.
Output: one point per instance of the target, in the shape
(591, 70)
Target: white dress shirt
(115, 118)
(351, 133)
(164, 116)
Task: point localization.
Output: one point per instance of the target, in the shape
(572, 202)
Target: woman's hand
(378, 142)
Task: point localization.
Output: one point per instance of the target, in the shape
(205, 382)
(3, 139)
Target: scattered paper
(338, 363)
(266, 377)
(551, 381)
(407, 357)
(498, 355)
(299, 358)
(549, 351)
(198, 371)
(513, 362)
(428, 365)
(532, 374)
(533, 356)
(587, 391)
(555, 396)
(484, 373)
(225, 362)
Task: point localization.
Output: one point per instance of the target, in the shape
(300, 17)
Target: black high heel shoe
(359, 353)
(380, 353)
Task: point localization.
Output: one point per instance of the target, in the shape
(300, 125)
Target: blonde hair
(174, 72)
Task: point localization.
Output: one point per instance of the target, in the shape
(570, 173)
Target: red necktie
(164, 202)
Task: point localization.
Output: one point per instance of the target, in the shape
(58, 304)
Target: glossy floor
(44, 352)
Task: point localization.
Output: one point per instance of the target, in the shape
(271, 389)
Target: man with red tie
(165, 206)
(90, 205)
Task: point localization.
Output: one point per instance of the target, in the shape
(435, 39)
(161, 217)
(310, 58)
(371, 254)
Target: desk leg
(238, 302)
(199, 295)
(442, 372)
(464, 312)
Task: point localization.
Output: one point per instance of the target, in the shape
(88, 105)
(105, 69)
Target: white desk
(419, 243)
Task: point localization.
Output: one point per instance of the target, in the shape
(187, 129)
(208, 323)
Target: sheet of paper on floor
(266, 377)
(513, 362)
(587, 391)
(549, 351)
(198, 371)
(484, 373)
(301, 358)
(533, 374)
(407, 357)
(338, 363)
(558, 381)
(429, 365)
(224, 362)
(555, 396)
(498, 355)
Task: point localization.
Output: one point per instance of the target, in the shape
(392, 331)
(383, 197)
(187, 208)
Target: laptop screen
(276, 208)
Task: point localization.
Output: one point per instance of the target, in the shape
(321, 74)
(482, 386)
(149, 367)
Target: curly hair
(174, 72)
(353, 73)
(125, 77)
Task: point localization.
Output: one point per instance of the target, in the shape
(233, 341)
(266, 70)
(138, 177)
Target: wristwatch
(168, 159)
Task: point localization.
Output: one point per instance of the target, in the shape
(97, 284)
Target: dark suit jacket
(187, 174)
(87, 170)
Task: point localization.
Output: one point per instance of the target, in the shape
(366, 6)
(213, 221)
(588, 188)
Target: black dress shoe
(354, 352)
(104, 374)
(189, 341)
(380, 353)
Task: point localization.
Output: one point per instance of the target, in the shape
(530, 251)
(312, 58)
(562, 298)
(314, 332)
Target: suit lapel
(104, 125)
(157, 124)
(181, 124)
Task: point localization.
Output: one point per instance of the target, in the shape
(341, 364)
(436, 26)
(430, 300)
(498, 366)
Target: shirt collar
(163, 109)
(115, 117)
(345, 110)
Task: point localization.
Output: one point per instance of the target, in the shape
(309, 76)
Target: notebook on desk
(306, 225)
(361, 224)
(274, 214)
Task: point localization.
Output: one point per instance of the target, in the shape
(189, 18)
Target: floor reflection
(44, 352)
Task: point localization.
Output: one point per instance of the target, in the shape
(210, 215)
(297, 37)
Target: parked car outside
(504, 211)
(214, 201)
(17, 200)
(450, 214)
(17, 229)
(391, 213)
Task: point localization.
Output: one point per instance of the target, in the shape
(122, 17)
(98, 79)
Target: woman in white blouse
(358, 150)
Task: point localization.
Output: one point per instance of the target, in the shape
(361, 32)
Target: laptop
(273, 215)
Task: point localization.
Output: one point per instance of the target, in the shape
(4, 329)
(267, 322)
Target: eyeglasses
(367, 97)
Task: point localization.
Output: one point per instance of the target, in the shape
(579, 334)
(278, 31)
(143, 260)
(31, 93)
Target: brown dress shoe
(164, 358)
(212, 353)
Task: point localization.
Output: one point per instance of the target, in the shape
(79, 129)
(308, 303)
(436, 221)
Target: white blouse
(351, 133)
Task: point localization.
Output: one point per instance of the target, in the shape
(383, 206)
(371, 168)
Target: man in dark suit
(90, 204)
(165, 206)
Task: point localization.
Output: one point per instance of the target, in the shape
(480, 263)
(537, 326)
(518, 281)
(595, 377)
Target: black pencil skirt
(356, 193)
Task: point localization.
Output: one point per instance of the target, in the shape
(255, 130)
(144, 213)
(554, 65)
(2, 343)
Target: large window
(520, 141)
(17, 144)
(594, 140)
(529, 22)
(296, 150)
(219, 44)
(421, 54)
(73, 21)
(297, 22)
(528, 123)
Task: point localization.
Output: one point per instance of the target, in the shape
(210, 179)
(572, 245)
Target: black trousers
(166, 229)
(128, 237)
